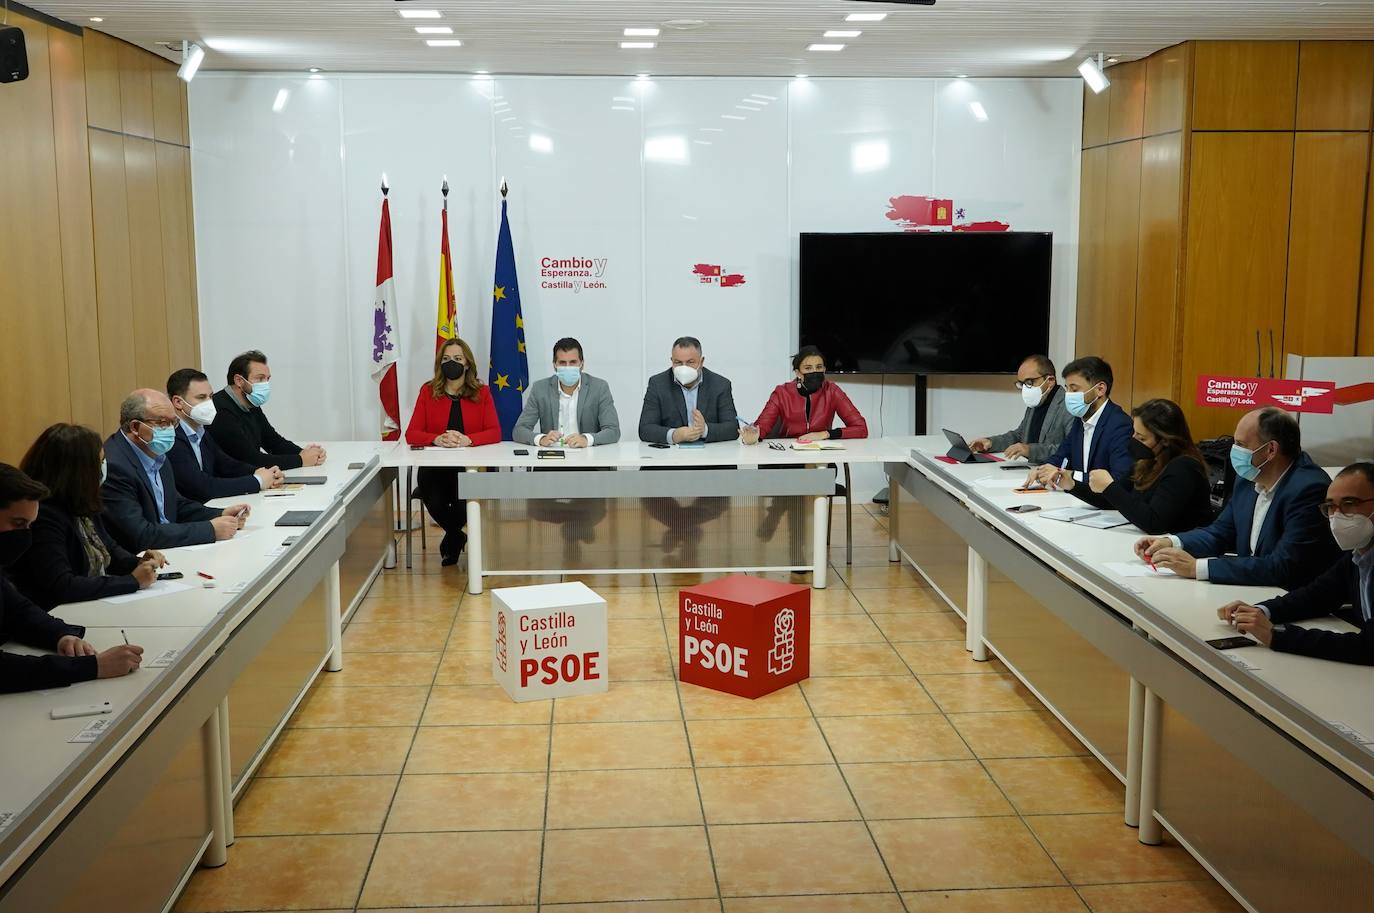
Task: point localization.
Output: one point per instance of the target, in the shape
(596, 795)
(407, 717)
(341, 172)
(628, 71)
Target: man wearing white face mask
(1045, 422)
(203, 471)
(1348, 508)
(687, 403)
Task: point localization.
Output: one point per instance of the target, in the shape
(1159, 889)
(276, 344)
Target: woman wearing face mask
(807, 406)
(73, 558)
(1170, 489)
(455, 409)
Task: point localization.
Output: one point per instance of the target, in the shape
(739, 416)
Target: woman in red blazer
(454, 409)
(806, 407)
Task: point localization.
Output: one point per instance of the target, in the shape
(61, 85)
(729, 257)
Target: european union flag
(510, 369)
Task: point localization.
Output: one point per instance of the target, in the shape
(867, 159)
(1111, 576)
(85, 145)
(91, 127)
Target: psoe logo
(784, 643)
(715, 274)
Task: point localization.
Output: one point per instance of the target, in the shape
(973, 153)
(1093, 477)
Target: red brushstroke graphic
(1355, 393)
(917, 213)
(715, 274)
(983, 226)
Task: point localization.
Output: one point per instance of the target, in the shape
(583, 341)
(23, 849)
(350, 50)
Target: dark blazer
(1338, 586)
(54, 569)
(25, 623)
(665, 408)
(1294, 545)
(1181, 498)
(216, 475)
(131, 512)
(249, 436)
(1111, 449)
(1056, 425)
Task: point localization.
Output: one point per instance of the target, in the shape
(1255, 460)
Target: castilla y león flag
(384, 332)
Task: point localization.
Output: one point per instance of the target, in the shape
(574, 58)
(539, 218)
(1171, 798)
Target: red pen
(205, 575)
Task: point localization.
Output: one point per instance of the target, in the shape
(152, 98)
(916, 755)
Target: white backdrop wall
(651, 176)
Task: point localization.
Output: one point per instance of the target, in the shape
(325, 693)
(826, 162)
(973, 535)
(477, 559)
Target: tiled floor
(901, 776)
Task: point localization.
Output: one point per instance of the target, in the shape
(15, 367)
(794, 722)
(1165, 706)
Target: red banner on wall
(1258, 392)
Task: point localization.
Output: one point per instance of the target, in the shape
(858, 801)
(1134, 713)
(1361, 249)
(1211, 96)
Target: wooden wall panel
(1091, 248)
(1156, 308)
(34, 386)
(1126, 105)
(151, 359)
(1245, 85)
(1324, 242)
(1364, 344)
(1122, 235)
(1335, 85)
(168, 123)
(114, 289)
(174, 180)
(67, 62)
(1096, 108)
(102, 81)
(1166, 89)
(136, 90)
(1236, 250)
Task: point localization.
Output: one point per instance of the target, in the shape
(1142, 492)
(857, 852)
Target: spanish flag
(446, 324)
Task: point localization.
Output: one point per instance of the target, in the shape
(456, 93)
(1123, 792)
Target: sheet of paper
(817, 445)
(1069, 514)
(159, 588)
(1107, 519)
(1006, 481)
(1136, 569)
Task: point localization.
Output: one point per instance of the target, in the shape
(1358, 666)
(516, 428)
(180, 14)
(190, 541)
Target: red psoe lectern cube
(744, 635)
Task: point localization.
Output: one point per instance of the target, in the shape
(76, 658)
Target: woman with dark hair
(807, 406)
(73, 558)
(454, 409)
(1168, 490)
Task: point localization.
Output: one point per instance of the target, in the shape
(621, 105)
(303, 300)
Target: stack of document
(1088, 516)
(817, 445)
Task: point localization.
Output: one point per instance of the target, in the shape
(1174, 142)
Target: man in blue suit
(203, 471)
(1271, 532)
(1100, 435)
(143, 508)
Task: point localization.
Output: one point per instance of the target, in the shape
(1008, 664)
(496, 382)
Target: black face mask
(13, 545)
(810, 383)
(453, 370)
(1140, 450)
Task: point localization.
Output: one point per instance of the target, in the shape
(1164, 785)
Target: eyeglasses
(1033, 382)
(159, 423)
(1347, 506)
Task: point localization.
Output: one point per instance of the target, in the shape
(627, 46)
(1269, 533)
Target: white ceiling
(741, 37)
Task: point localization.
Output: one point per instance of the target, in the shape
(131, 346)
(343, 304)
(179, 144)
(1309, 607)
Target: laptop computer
(960, 450)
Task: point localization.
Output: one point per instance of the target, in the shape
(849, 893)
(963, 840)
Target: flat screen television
(925, 302)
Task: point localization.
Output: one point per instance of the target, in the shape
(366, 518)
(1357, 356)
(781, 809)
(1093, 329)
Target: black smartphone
(170, 575)
(1017, 467)
(1231, 643)
(521, 452)
(417, 446)
(1023, 508)
(659, 446)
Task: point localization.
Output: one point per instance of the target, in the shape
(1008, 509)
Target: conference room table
(729, 483)
(113, 812)
(1260, 763)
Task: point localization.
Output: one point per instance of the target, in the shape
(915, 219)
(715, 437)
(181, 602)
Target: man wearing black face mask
(22, 621)
(806, 408)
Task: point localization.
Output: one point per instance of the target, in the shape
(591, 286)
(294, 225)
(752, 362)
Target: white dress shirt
(1264, 497)
(567, 413)
(1089, 426)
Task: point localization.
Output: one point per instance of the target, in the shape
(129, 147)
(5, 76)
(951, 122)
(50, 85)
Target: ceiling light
(1113, 60)
(420, 14)
(192, 56)
(642, 77)
(802, 76)
(732, 117)
(444, 42)
(481, 73)
(314, 69)
(865, 17)
(978, 110)
(842, 33)
(641, 33)
(1091, 71)
(279, 103)
(962, 76)
(97, 19)
(434, 29)
(762, 96)
(821, 46)
(636, 45)
(685, 25)
(540, 143)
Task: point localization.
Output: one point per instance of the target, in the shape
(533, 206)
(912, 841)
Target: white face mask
(1032, 396)
(1351, 533)
(204, 412)
(685, 374)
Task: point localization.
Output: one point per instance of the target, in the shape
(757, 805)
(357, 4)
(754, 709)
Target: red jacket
(430, 418)
(788, 406)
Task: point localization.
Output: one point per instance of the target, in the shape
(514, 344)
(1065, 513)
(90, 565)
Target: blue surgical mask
(1075, 402)
(568, 375)
(163, 440)
(261, 392)
(1243, 465)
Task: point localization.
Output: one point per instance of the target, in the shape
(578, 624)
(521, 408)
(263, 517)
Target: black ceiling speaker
(14, 59)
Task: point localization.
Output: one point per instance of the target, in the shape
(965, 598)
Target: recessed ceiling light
(821, 46)
(97, 19)
(732, 116)
(842, 33)
(685, 25)
(434, 29)
(1109, 59)
(641, 33)
(444, 42)
(962, 76)
(420, 14)
(314, 69)
(642, 77)
(978, 110)
(636, 45)
(865, 17)
(481, 73)
(802, 76)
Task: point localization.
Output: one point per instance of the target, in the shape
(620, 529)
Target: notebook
(1087, 516)
(817, 445)
(299, 517)
(306, 480)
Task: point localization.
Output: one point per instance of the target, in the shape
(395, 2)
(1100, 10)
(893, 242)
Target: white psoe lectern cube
(549, 640)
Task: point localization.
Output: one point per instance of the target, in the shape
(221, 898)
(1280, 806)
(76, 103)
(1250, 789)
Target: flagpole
(444, 190)
(386, 187)
(505, 188)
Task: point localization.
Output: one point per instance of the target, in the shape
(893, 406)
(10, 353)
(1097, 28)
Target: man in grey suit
(1046, 421)
(688, 403)
(571, 408)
